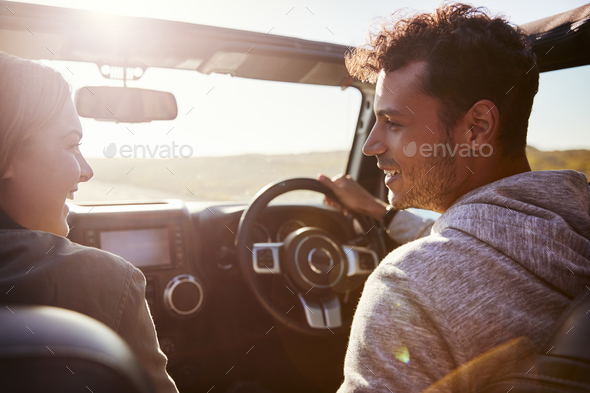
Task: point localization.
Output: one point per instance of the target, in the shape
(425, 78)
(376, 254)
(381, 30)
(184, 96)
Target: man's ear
(482, 123)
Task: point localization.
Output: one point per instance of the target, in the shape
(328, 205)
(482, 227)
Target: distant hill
(233, 178)
(578, 160)
(239, 178)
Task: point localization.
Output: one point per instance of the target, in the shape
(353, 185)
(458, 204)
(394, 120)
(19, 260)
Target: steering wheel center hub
(314, 259)
(320, 260)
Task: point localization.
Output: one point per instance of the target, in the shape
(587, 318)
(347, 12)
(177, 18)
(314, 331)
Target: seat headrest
(38, 339)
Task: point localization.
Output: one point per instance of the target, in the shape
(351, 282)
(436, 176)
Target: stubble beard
(433, 182)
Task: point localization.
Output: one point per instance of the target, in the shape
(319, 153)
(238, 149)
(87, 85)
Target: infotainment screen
(142, 247)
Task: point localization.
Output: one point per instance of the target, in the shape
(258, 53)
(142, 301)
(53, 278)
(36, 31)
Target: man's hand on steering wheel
(353, 196)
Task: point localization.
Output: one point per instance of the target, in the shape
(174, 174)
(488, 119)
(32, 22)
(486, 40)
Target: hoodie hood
(539, 219)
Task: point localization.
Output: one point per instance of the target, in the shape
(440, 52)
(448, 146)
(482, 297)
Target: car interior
(228, 296)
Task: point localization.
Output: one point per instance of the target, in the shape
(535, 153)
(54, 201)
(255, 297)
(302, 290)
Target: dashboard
(152, 237)
(198, 298)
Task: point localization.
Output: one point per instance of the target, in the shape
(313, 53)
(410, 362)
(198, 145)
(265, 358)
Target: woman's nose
(86, 172)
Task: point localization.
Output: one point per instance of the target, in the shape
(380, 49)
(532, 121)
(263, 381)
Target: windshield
(232, 136)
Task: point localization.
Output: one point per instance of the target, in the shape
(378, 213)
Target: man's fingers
(338, 177)
(325, 181)
(337, 184)
(332, 203)
(329, 183)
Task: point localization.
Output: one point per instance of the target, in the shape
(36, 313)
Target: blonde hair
(32, 97)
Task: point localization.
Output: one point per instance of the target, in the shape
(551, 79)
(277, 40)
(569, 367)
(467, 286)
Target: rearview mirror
(125, 104)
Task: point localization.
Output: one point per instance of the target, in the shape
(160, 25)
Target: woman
(40, 166)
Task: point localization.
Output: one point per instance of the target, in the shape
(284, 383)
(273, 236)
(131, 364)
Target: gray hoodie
(502, 262)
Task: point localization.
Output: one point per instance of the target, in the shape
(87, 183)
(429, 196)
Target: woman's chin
(64, 229)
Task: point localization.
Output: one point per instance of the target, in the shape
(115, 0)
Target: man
(454, 91)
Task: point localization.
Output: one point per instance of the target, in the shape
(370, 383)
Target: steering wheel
(311, 260)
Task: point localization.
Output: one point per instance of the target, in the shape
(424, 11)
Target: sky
(558, 121)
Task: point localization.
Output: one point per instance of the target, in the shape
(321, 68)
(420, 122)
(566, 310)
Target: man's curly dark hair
(469, 56)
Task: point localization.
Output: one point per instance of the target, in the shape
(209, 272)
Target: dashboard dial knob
(183, 295)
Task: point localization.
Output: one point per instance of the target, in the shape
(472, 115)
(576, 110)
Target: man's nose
(374, 145)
